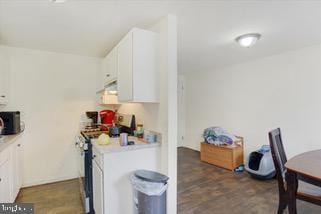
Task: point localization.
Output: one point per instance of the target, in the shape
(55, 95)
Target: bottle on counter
(139, 131)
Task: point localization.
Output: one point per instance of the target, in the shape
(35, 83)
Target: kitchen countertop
(8, 140)
(114, 145)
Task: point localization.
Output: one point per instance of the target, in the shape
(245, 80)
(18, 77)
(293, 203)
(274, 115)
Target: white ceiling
(206, 29)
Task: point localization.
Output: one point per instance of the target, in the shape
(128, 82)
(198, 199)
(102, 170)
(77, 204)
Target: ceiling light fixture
(248, 40)
(58, 1)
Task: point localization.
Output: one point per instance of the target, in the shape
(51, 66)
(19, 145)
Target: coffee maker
(1, 126)
(10, 122)
(93, 115)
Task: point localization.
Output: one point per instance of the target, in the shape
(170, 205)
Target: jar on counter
(139, 131)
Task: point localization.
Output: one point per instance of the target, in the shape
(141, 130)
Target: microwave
(11, 121)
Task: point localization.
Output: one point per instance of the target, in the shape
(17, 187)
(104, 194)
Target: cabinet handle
(0, 179)
(94, 156)
(107, 75)
(3, 96)
(19, 145)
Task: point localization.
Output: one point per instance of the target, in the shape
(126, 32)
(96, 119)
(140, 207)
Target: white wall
(252, 98)
(167, 28)
(51, 90)
(147, 114)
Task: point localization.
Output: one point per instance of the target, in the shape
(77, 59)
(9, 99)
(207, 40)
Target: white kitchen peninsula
(112, 167)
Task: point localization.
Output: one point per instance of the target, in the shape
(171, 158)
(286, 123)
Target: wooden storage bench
(228, 157)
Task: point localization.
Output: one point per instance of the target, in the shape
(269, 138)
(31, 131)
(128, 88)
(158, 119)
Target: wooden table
(306, 166)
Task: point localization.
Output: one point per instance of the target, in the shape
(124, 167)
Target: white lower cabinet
(10, 172)
(4, 182)
(16, 161)
(98, 186)
(113, 191)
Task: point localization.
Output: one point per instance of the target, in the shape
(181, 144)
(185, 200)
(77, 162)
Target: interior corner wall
(167, 29)
(252, 98)
(162, 116)
(181, 113)
(51, 90)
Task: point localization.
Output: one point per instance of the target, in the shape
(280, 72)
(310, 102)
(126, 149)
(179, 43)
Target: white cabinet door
(4, 76)
(16, 163)
(125, 68)
(5, 192)
(106, 70)
(113, 66)
(138, 67)
(134, 63)
(98, 187)
(19, 164)
(105, 67)
(109, 67)
(145, 66)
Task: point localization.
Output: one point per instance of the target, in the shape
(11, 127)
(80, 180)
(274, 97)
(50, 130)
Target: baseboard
(190, 147)
(47, 181)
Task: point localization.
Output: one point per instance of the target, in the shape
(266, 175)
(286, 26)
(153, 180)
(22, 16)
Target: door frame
(181, 110)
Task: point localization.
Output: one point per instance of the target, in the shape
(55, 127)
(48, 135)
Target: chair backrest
(278, 155)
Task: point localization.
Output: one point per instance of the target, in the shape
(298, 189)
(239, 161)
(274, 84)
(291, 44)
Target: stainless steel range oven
(84, 149)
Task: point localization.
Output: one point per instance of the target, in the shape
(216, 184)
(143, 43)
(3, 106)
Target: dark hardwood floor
(202, 189)
(56, 198)
(206, 189)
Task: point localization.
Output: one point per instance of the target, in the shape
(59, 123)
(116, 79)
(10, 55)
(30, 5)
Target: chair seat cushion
(309, 189)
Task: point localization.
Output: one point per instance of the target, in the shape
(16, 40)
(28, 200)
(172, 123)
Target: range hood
(108, 95)
(111, 87)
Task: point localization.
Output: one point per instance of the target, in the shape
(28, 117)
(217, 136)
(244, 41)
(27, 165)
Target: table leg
(292, 187)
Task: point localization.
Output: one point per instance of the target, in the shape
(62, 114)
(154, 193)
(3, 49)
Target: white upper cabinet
(4, 76)
(134, 65)
(109, 67)
(138, 67)
(125, 69)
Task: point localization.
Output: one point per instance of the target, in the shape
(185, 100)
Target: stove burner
(94, 134)
(89, 129)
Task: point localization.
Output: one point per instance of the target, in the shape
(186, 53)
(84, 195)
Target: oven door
(81, 166)
(80, 157)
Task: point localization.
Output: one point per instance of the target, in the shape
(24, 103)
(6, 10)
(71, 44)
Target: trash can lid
(151, 176)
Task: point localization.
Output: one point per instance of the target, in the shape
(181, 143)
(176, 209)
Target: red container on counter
(107, 117)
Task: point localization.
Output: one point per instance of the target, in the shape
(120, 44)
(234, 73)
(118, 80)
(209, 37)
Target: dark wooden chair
(306, 191)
